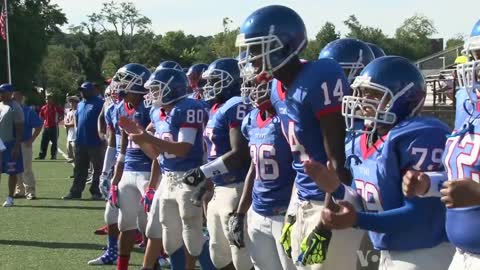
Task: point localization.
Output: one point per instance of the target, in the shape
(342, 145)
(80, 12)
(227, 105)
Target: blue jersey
(271, 156)
(135, 158)
(222, 118)
(318, 90)
(393, 221)
(461, 160)
(187, 113)
(113, 119)
(464, 107)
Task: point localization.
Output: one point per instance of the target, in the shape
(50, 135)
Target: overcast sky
(205, 17)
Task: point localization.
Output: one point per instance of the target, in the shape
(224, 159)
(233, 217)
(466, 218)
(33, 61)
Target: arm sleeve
(418, 150)
(392, 220)
(325, 96)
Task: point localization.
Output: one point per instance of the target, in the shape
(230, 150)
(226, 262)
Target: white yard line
(63, 154)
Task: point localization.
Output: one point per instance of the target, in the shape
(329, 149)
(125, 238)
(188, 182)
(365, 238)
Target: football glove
(314, 247)
(113, 196)
(105, 184)
(236, 230)
(285, 238)
(197, 195)
(194, 177)
(147, 199)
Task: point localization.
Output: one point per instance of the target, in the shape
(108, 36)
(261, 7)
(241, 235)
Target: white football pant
(224, 202)
(264, 246)
(437, 258)
(131, 190)
(154, 227)
(182, 222)
(342, 251)
(465, 261)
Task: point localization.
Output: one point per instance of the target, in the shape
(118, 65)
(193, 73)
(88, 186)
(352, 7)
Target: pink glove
(113, 196)
(147, 200)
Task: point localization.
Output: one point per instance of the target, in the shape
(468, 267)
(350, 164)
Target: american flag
(3, 18)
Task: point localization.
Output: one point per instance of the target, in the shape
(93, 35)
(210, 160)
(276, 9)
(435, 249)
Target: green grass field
(50, 233)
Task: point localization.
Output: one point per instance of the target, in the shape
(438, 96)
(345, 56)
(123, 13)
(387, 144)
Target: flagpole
(8, 42)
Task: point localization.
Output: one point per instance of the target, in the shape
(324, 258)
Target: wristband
(121, 158)
(436, 183)
(214, 168)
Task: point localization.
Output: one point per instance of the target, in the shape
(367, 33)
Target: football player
(307, 99)
(178, 123)
(111, 213)
(194, 75)
(352, 54)
(132, 170)
(465, 98)
(377, 51)
(388, 95)
(461, 193)
(268, 184)
(169, 64)
(228, 160)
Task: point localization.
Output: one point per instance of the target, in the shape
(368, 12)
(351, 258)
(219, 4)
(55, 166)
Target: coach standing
(11, 123)
(51, 114)
(89, 146)
(31, 129)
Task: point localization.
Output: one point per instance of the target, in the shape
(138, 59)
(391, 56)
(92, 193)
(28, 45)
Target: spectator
(26, 180)
(51, 114)
(70, 126)
(11, 133)
(88, 145)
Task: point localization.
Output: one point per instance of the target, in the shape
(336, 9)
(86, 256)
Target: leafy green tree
(455, 41)
(31, 25)
(365, 33)
(413, 37)
(223, 43)
(123, 20)
(326, 34)
(60, 71)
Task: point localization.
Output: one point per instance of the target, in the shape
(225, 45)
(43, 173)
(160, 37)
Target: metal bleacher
(438, 70)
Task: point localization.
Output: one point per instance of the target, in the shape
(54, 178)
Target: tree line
(44, 56)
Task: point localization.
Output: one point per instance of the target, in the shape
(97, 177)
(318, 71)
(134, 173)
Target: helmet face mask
(260, 93)
(269, 39)
(258, 53)
(158, 93)
(130, 79)
(370, 103)
(469, 73)
(469, 78)
(217, 80)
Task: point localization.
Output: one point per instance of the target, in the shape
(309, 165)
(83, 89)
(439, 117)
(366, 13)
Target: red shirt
(51, 114)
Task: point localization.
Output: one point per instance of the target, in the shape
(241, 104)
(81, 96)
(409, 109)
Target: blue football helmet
(169, 64)
(223, 79)
(389, 90)
(469, 73)
(377, 51)
(352, 54)
(269, 38)
(130, 79)
(165, 86)
(194, 75)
